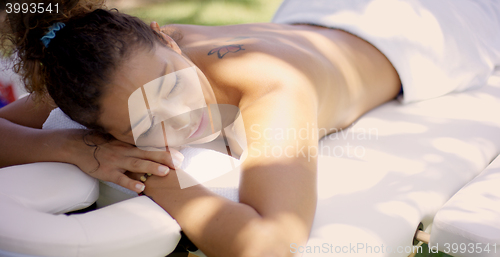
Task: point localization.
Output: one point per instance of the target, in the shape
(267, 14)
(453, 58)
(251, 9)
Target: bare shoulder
(253, 67)
(27, 112)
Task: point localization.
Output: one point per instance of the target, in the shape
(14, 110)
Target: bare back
(348, 75)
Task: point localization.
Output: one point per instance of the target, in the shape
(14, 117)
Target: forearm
(220, 227)
(20, 145)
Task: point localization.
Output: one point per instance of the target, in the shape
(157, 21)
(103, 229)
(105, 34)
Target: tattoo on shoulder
(223, 50)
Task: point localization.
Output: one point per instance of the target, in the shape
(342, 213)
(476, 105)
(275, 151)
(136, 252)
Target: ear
(170, 42)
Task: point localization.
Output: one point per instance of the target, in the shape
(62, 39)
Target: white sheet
(436, 46)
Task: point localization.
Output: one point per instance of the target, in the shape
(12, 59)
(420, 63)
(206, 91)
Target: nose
(175, 116)
(179, 122)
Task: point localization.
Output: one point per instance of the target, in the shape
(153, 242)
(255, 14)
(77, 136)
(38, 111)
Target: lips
(201, 126)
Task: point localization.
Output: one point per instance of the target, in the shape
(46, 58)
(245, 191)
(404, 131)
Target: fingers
(134, 176)
(139, 165)
(126, 182)
(128, 157)
(171, 158)
(177, 157)
(116, 157)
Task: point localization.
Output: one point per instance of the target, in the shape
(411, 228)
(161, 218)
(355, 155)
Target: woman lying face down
(144, 87)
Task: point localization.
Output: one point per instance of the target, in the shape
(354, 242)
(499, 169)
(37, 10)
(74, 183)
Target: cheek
(126, 139)
(206, 88)
(192, 88)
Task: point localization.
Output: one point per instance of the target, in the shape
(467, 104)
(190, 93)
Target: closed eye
(147, 132)
(177, 81)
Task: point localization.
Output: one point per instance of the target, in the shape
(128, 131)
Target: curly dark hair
(78, 64)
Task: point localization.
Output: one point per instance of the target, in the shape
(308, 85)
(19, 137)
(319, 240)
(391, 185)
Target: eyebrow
(162, 73)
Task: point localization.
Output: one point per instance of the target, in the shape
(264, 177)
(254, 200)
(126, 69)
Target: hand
(156, 185)
(111, 159)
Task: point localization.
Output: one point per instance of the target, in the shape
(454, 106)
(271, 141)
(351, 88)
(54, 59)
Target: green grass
(206, 12)
(213, 13)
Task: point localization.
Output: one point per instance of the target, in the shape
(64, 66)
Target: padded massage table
(429, 162)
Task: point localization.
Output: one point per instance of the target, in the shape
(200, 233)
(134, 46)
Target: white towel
(197, 162)
(59, 120)
(436, 46)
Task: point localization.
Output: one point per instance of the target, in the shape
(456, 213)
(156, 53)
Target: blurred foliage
(204, 12)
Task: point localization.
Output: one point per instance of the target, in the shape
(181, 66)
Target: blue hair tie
(52, 33)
